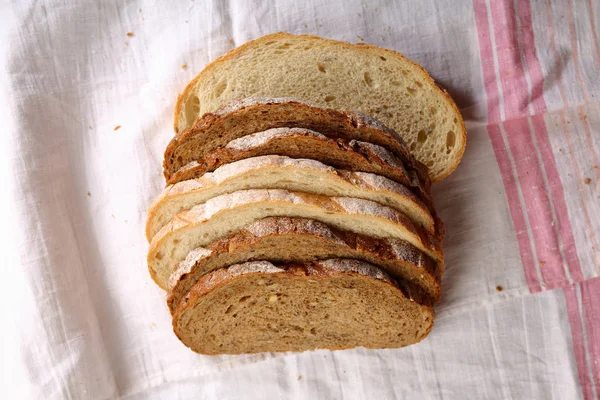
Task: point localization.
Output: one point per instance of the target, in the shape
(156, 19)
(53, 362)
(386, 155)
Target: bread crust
(320, 204)
(390, 255)
(364, 181)
(347, 125)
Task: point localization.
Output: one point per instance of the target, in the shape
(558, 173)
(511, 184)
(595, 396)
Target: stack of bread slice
(288, 224)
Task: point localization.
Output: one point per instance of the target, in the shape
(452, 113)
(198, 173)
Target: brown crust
(362, 46)
(300, 145)
(321, 204)
(343, 125)
(313, 269)
(365, 181)
(379, 252)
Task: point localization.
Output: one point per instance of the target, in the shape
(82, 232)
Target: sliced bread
(225, 214)
(280, 172)
(251, 115)
(342, 76)
(283, 239)
(304, 143)
(331, 304)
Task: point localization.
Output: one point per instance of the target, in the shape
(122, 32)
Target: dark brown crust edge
(279, 226)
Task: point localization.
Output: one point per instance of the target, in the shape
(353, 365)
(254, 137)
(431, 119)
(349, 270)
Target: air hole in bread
(220, 88)
(158, 256)
(367, 78)
(419, 84)
(269, 43)
(422, 136)
(243, 299)
(429, 163)
(228, 309)
(411, 91)
(313, 331)
(455, 120)
(433, 110)
(195, 100)
(382, 58)
(285, 46)
(404, 72)
(321, 67)
(450, 141)
(196, 108)
(413, 146)
(329, 98)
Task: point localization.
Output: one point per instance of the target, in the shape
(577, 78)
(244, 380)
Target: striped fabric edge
(521, 144)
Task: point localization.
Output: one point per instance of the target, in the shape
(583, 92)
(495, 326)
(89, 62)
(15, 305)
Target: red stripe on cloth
(558, 198)
(500, 151)
(544, 145)
(512, 75)
(578, 342)
(516, 211)
(537, 202)
(536, 75)
(590, 295)
(487, 60)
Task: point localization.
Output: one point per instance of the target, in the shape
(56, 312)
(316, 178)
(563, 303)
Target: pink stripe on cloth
(510, 185)
(537, 202)
(512, 75)
(514, 205)
(590, 294)
(558, 198)
(487, 60)
(545, 148)
(536, 75)
(579, 343)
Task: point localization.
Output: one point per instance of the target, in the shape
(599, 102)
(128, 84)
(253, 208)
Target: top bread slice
(327, 73)
(251, 115)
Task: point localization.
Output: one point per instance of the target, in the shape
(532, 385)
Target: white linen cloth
(87, 92)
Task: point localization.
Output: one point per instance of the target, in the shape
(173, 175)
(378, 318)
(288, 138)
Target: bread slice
(283, 239)
(304, 143)
(332, 304)
(280, 172)
(225, 214)
(342, 76)
(252, 115)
